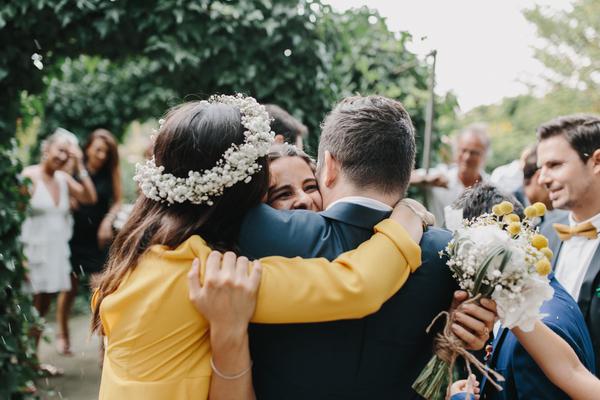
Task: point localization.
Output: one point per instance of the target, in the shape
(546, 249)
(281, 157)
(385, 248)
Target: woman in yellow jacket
(208, 169)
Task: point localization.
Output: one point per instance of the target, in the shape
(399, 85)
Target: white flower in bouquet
(487, 259)
(523, 309)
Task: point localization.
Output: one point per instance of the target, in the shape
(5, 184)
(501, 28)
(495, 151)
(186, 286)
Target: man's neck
(583, 214)
(469, 178)
(350, 191)
(587, 207)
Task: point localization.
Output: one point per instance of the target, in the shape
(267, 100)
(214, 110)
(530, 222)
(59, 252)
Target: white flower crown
(238, 163)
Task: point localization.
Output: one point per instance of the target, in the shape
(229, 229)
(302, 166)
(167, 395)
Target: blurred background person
(527, 168)
(533, 191)
(445, 183)
(475, 201)
(510, 176)
(479, 199)
(93, 224)
(46, 231)
(292, 182)
(287, 128)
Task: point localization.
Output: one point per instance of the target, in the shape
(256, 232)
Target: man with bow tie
(569, 159)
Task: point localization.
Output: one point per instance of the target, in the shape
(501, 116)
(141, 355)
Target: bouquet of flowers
(499, 256)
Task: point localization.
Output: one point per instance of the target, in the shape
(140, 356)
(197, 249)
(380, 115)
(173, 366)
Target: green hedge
(18, 359)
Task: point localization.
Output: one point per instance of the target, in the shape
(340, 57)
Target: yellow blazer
(158, 345)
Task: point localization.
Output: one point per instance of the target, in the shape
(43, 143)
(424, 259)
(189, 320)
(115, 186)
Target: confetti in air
(37, 61)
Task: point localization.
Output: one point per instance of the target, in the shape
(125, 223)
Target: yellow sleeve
(354, 285)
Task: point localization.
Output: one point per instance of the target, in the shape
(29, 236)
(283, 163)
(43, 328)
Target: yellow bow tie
(566, 232)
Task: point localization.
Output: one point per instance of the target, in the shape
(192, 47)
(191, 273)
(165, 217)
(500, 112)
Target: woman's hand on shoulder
(227, 295)
(413, 216)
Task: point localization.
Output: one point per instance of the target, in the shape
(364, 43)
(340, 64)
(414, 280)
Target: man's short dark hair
(480, 198)
(285, 125)
(373, 139)
(582, 131)
(530, 166)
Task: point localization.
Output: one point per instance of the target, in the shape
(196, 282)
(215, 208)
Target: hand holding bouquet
(499, 256)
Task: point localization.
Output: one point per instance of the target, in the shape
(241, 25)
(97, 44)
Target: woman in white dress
(47, 229)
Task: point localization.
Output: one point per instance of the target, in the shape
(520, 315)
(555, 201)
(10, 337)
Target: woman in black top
(92, 228)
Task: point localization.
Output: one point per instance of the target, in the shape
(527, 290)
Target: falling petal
(37, 61)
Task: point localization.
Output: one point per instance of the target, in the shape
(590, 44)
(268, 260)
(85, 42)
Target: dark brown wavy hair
(194, 137)
(111, 164)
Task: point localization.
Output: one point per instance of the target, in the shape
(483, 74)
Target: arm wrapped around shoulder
(354, 285)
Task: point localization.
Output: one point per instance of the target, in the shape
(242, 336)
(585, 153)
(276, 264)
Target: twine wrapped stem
(438, 373)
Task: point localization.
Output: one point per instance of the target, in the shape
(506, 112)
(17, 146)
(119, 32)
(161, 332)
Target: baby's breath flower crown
(238, 163)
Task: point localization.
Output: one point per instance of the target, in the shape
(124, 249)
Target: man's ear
(331, 169)
(279, 139)
(595, 159)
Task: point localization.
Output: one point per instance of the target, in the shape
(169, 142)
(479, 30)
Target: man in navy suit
(366, 154)
(523, 378)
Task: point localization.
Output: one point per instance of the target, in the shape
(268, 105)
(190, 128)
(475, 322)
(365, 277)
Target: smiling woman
(292, 183)
(46, 231)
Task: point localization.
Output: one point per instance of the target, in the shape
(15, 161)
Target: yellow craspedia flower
(543, 267)
(547, 252)
(539, 241)
(506, 207)
(514, 228)
(540, 208)
(497, 211)
(511, 218)
(530, 212)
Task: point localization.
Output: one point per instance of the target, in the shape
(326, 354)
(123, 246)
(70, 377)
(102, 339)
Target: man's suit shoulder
(266, 232)
(434, 240)
(433, 267)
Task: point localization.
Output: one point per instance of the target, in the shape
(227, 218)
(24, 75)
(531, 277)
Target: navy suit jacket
(377, 357)
(589, 296)
(524, 379)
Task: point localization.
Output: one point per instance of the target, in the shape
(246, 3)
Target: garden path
(81, 379)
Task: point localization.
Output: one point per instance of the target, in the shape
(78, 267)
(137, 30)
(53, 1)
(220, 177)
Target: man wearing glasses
(445, 183)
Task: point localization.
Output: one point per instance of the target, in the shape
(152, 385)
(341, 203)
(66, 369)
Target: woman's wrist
(228, 337)
(82, 172)
(110, 217)
(230, 352)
